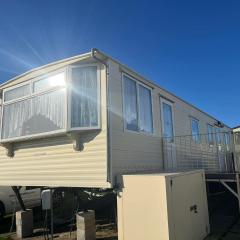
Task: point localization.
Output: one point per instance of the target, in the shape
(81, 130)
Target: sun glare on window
(57, 80)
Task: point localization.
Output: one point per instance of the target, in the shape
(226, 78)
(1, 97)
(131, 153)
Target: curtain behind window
(210, 134)
(130, 104)
(218, 136)
(84, 98)
(195, 131)
(43, 113)
(168, 122)
(145, 111)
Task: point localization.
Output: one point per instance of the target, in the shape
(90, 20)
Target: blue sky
(191, 48)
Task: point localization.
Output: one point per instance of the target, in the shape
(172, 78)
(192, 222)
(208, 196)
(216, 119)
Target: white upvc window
(167, 119)
(210, 135)
(28, 113)
(137, 105)
(84, 97)
(57, 102)
(195, 130)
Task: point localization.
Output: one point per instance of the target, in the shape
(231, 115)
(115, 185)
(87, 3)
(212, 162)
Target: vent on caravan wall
(219, 124)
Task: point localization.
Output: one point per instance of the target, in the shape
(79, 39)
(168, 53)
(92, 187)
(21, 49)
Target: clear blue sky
(191, 48)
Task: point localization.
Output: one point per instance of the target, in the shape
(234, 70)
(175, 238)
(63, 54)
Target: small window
(210, 135)
(218, 136)
(167, 120)
(53, 81)
(130, 104)
(137, 106)
(17, 93)
(195, 130)
(145, 110)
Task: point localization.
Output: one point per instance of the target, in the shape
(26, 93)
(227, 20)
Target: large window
(137, 106)
(195, 130)
(39, 107)
(26, 113)
(167, 120)
(84, 97)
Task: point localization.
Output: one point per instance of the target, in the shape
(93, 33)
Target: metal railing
(198, 152)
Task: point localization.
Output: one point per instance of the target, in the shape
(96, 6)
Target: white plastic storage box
(168, 206)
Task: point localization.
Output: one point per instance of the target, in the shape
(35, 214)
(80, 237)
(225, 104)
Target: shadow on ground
(223, 213)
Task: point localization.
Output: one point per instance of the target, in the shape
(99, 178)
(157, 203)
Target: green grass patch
(5, 238)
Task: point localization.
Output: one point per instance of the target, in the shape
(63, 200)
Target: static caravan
(87, 120)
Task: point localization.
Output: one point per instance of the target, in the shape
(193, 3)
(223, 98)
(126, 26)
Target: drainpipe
(94, 51)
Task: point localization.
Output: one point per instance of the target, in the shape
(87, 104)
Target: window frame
(69, 95)
(162, 101)
(32, 95)
(137, 82)
(198, 134)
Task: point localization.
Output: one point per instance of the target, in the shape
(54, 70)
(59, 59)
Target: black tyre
(2, 211)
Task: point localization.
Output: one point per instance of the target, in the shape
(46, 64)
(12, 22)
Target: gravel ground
(105, 230)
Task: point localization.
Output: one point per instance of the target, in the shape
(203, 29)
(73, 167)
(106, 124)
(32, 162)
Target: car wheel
(2, 211)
